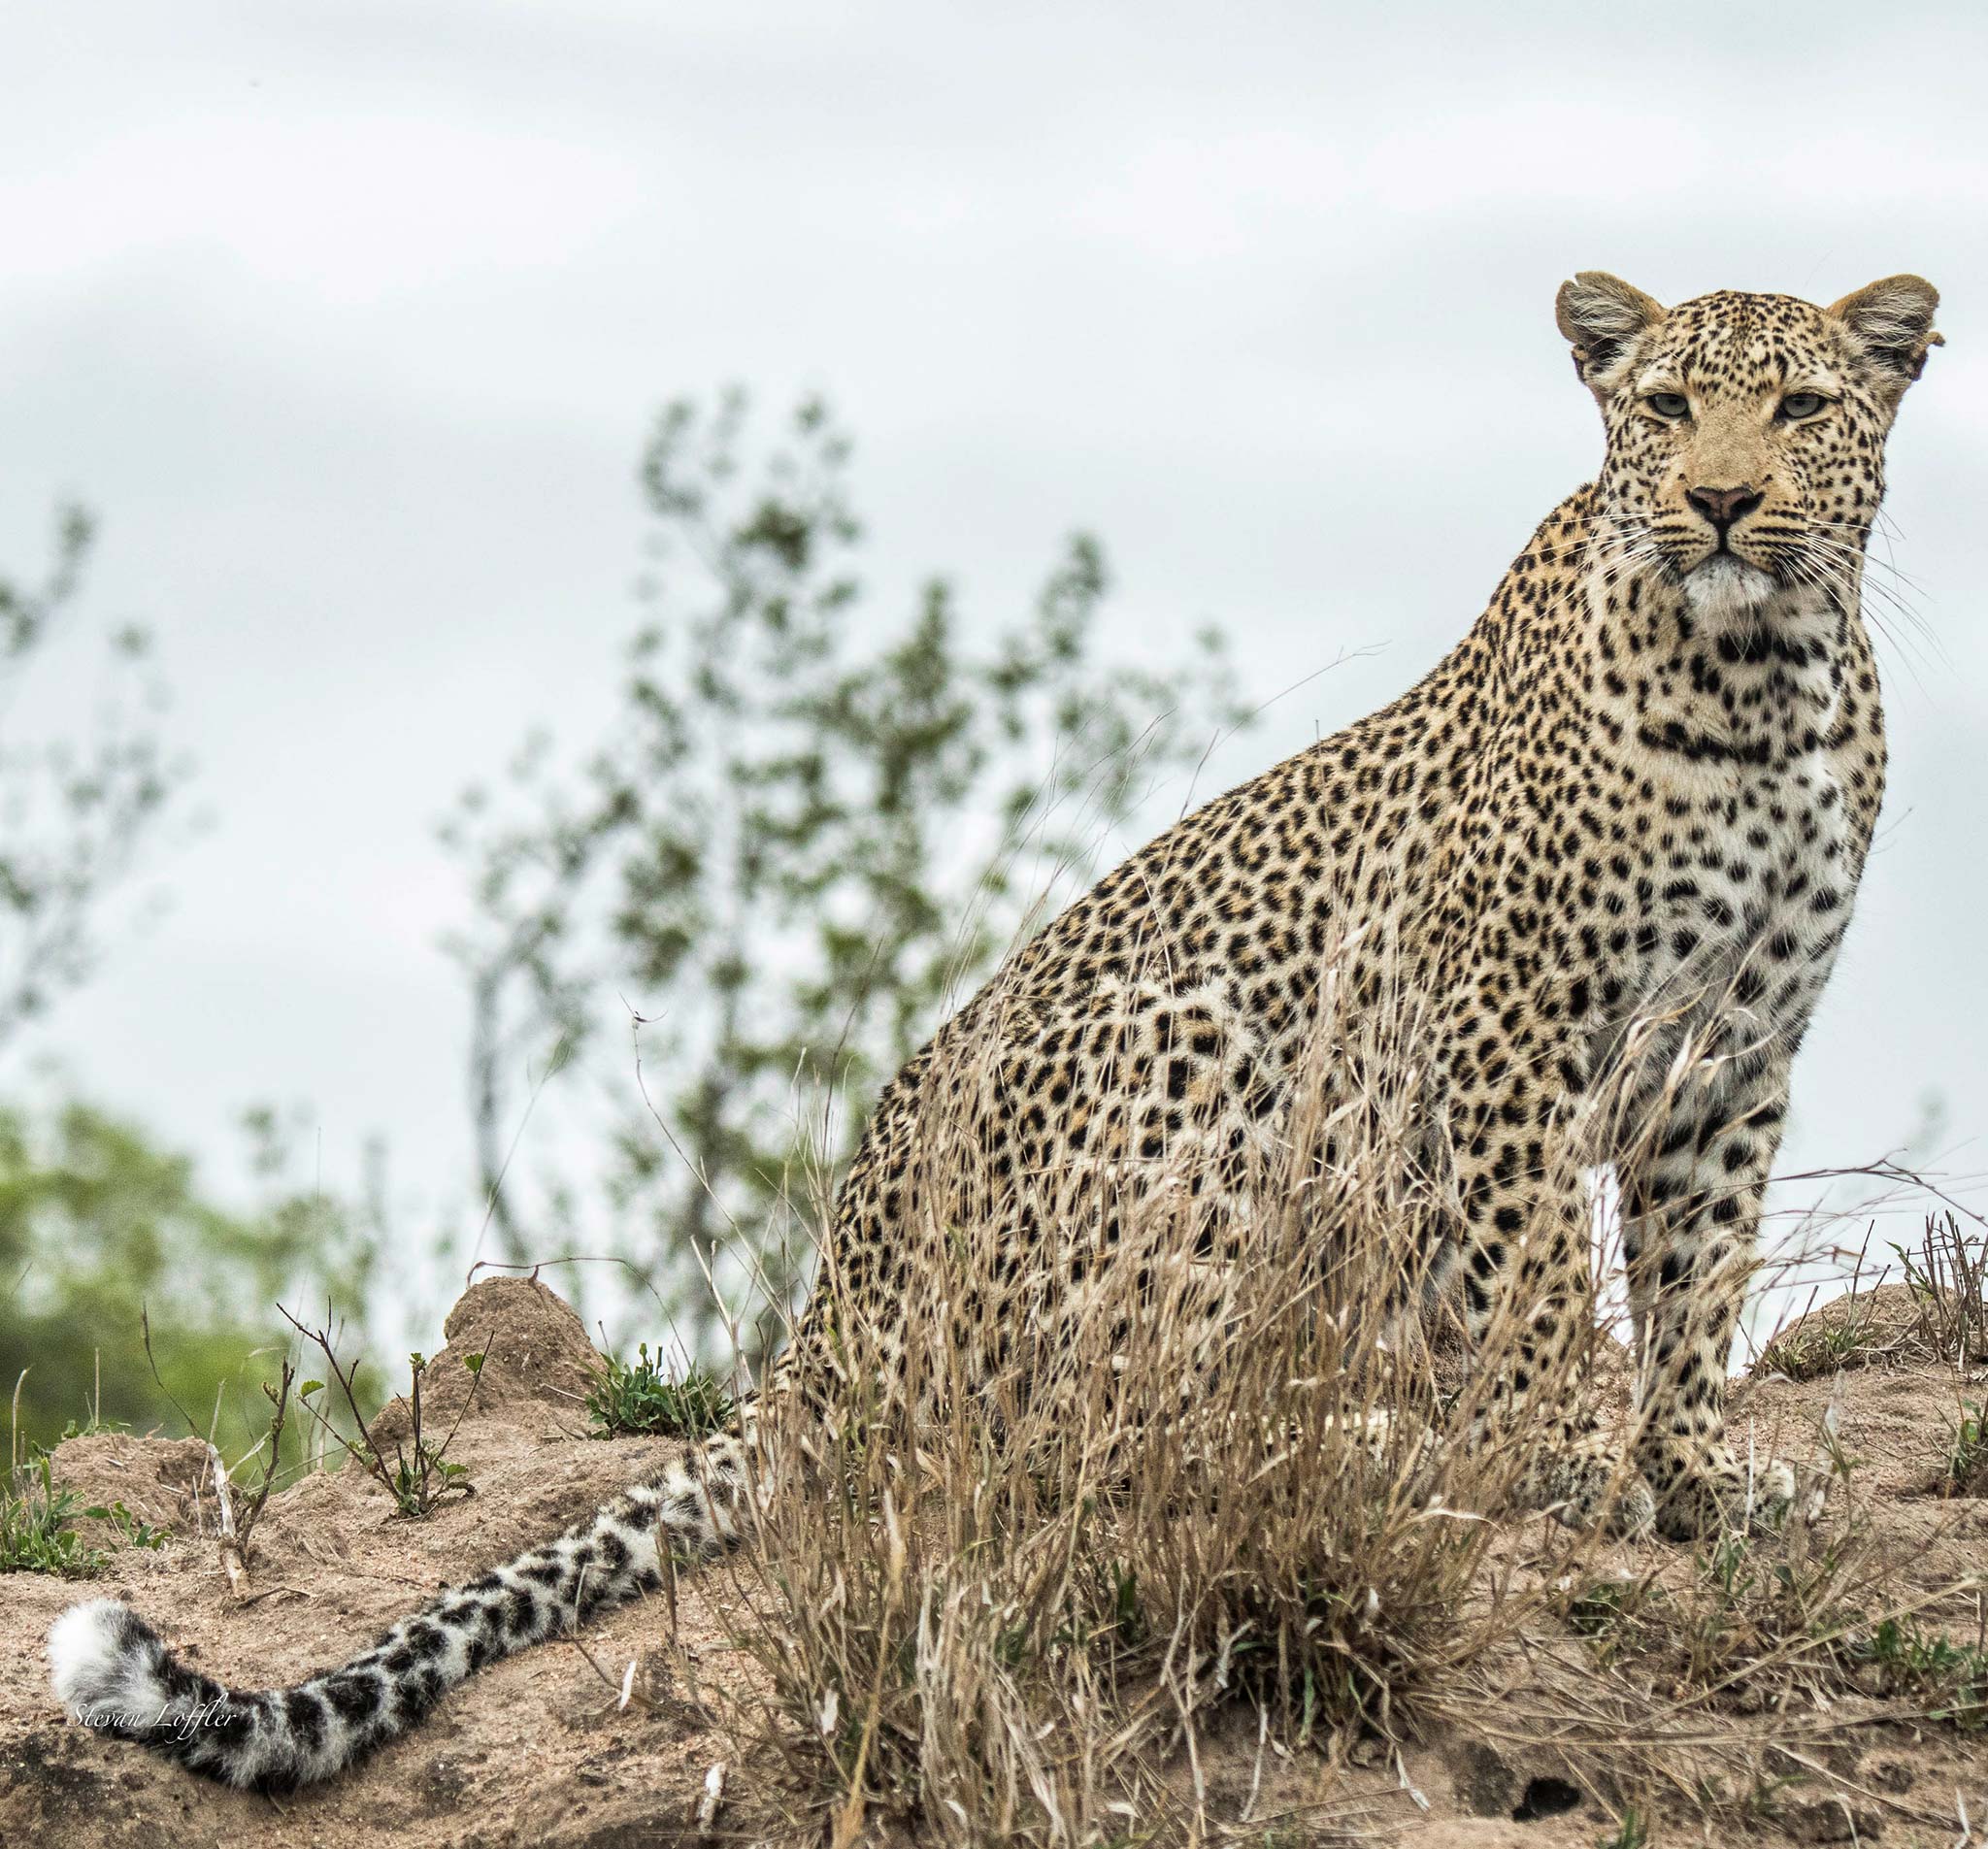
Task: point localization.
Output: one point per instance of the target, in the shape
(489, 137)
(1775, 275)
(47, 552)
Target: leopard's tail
(113, 1671)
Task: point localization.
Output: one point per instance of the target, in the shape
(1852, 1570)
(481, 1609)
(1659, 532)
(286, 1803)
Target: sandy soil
(536, 1751)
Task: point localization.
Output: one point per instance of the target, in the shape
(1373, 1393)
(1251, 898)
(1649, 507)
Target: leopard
(1644, 781)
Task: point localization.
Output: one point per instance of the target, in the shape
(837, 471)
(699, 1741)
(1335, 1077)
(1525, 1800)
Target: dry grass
(1846, 1333)
(1005, 1605)
(1949, 1279)
(1010, 1603)
(1717, 1683)
(1938, 1313)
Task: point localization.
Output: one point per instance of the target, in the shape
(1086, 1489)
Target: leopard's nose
(1724, 506)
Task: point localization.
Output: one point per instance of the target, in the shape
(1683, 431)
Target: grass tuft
(37, 1520)
(37, 1525)
(1843, 1335)
(1915, 1661)
(1008, 1602)
(1948, 1278)
(638, 1398)
(1964, 1470)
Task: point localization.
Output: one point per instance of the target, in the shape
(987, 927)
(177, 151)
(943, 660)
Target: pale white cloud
(345, 208)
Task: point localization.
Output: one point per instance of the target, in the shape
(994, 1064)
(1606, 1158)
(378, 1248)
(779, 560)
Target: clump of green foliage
(638, 1398)
(38, 1525)
(134, 1531)
(1915, 1661)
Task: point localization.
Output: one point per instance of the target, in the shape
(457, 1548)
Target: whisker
(1879, 592)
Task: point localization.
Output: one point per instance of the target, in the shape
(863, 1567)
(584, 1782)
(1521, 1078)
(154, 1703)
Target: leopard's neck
(1724, 669)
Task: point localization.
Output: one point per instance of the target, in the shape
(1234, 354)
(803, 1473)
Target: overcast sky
(349, 319)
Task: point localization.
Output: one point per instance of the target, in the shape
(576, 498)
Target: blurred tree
(99, 1225)
(76, 814)
(808, 829)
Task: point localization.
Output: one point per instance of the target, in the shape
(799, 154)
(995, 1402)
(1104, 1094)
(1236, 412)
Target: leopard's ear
(1600, 315)
(1890, 323)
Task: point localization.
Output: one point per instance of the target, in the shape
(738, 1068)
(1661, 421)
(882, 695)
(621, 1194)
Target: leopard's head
(1745, 432)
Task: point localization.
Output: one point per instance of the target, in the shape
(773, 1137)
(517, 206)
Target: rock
(1830, 1820)
(1486, 1785)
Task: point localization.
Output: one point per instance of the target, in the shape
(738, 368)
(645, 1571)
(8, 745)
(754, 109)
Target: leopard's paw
(1719, 1494)
(1590, 1485)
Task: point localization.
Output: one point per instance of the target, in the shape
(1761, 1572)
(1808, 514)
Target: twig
(234, 1558)
(252, 1510)
(625, 1691)
(363, 1448)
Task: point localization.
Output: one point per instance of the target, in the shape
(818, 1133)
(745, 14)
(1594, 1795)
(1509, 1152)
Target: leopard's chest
(1756, 878)
(1749, 878)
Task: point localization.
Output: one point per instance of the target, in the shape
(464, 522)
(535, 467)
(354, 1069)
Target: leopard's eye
(1668, 404)
(1802, 404)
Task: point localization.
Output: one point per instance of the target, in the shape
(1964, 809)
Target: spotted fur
(1616, 831)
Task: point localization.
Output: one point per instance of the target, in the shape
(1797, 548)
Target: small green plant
(135, 1532)
(1748, 1620)
(418, 1482)
(638, 1397)
(1630, 1832)
(1613, 1614)
(1965, 1470)
(37, 1520)
(1112, 1614)
(1915, 1661)
(37, 1525)
(1819, 1344)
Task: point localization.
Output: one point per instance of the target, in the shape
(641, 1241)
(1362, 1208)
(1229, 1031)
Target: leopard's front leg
(1527, 1306)
(1692, 1207)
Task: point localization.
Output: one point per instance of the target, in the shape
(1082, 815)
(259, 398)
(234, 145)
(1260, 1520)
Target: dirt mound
(155, 1480)
(514, 1353)
(538, 1749)
(1885, 1324)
